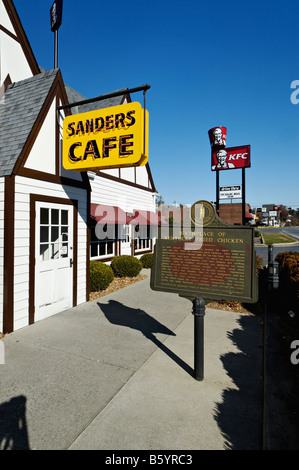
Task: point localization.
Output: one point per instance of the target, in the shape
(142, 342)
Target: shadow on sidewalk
(13, 427)
(239, 415)
(135, 318)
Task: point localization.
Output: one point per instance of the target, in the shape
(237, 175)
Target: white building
(46, 232)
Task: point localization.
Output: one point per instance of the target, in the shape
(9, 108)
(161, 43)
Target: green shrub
(147, 260)
(257, 232)
(101, 275)
(126, 266)
(289, 276)
(289, 266)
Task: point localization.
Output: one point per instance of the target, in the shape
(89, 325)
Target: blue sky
(208, 63)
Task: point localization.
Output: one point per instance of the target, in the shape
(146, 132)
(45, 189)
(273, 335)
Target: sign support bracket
(113, 94)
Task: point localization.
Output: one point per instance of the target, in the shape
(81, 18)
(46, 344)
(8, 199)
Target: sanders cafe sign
(113, 137)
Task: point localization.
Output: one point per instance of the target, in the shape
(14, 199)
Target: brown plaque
(223, 267)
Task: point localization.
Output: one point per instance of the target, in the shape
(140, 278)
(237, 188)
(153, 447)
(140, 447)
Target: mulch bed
(116, 284)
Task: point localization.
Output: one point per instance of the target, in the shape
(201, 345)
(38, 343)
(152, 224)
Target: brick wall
(232, 213)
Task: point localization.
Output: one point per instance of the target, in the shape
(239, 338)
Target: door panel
(126, 247)
(53, 258)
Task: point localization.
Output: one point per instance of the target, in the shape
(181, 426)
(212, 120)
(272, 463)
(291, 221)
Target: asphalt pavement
(117, 373)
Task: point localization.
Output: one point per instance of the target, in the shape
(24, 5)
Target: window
(54, 231)
(125, 233)
(102, 247)
(142, 237)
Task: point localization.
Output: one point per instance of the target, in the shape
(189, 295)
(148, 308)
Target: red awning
(107, 214)
(143, 218)
(248, 215)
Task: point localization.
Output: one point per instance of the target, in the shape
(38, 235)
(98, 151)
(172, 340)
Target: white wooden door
(54, 259)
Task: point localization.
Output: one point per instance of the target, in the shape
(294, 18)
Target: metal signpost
(56, 20)
(222, 266)
(228, 158)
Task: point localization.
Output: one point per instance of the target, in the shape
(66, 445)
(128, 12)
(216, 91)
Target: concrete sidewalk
(117, 373)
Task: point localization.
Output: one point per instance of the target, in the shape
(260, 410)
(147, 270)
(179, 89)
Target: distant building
(269, 215)
(232, 213)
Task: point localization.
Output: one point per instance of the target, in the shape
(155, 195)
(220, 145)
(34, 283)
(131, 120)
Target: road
(262, 251)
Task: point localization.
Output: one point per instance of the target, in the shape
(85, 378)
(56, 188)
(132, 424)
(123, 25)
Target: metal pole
(270, 254)
(217, 192)
(199, 309)
(243, 196)
(56, 50)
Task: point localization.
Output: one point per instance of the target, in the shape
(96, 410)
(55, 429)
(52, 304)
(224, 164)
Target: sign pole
(199, 310)
(217, 192)
(56, 49)
(56, 19)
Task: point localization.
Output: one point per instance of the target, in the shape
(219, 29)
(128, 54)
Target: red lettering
(123, 144)
(107, 146)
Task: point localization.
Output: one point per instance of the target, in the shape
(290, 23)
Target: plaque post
(199, 310)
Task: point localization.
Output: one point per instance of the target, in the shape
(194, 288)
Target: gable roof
(19, 110)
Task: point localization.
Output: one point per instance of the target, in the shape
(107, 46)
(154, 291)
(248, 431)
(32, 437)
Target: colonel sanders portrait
(218, 137)
(221, 159)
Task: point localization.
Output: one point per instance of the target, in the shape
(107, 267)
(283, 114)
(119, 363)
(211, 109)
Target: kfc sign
(56, 15)
(230, 158)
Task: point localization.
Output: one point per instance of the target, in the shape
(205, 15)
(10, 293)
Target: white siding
(4, 19)
(23, 188)
(42, 155)
(127, 197)
(112, 172)
(142, 176)
(1, 249)
(12, 58)
(128, 174)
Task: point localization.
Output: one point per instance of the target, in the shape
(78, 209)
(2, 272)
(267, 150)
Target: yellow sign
(107, 138)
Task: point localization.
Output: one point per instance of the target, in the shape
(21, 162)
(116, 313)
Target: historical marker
(214, 261)
(223, 267)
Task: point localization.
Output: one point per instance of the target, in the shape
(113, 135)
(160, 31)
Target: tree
(284, 213)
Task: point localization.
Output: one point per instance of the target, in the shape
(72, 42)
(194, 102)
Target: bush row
(101, 275)
(289, 278)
